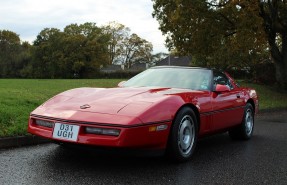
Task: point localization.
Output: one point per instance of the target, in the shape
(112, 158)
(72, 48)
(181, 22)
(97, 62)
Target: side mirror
(121, 84)
(221, 88)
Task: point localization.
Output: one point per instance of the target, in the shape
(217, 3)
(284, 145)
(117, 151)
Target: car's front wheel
(245, 130)
(183, 136)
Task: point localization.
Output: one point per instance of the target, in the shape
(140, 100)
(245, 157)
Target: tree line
(79, 51)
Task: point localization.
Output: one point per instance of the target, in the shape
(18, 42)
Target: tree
(126, 48)
(157, 57)
(78, 51)
(223, 33)
(87, 48)
(117, 33)
(9, 46)
(274, 14)
(25, 67)
(47, 53)
(135, 50)
(14, 55)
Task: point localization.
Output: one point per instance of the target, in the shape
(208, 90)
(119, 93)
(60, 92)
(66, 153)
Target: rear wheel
(183, 136)
(245, 130)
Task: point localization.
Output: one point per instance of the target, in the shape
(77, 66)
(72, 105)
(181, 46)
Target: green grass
(18, 97)
(268, 97)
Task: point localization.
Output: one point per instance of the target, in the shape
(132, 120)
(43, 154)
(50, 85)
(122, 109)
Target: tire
(183, 136)
(245, 130)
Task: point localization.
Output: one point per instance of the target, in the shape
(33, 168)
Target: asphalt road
(217, 160)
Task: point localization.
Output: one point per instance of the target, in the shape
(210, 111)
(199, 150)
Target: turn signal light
(102, 131)
(44, 123)
(157, 128)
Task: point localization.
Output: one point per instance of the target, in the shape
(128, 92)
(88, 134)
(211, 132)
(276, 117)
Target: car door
(227, 106)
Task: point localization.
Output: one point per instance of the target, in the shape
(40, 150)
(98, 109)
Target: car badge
(85, 106)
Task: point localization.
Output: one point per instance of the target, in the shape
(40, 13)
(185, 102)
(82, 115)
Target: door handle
(238, 95)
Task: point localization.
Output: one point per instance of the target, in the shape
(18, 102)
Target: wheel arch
(195, 110)
(251, 101)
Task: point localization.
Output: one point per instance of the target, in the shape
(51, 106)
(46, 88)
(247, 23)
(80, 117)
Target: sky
(28, 17)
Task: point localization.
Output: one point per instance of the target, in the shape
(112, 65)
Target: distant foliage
(118, 75)
(126, 48)
(264, 73)
(79, 51)
(14, 55)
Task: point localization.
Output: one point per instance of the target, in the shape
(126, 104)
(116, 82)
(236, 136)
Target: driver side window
(221, 78)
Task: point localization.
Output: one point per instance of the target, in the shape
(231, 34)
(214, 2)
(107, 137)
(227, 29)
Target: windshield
(187, 78)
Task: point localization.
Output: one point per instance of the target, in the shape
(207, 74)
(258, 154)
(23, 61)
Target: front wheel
(245, 130)
(183, 136)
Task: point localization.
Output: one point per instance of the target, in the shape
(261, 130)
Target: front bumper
(137, 136)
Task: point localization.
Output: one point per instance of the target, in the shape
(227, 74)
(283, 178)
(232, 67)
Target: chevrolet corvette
(164, 108)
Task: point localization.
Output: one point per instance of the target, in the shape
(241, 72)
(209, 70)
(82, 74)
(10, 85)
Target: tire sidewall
(173, 146)
(243, 125)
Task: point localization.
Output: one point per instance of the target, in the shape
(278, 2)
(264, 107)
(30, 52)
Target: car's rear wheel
(245, 130)
(183, 136)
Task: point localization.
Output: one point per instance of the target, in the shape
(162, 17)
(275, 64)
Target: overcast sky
(28, 17)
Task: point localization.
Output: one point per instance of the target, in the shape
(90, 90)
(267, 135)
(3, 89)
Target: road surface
(217, 160)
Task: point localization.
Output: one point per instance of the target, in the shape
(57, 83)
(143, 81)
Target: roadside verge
(17, 141)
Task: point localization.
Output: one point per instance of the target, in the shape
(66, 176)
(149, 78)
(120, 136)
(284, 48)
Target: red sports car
(166, 108)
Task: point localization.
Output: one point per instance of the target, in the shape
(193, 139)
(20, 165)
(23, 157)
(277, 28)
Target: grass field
(18, 97)
(268, 97)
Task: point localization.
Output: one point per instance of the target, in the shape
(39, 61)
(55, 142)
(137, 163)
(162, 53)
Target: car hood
(116, 105)
(105, 100)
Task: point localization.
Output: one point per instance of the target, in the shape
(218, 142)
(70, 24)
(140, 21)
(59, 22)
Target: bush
(118, 74)
(240, 73)
(264, 73)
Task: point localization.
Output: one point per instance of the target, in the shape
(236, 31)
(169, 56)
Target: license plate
(66, 132)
